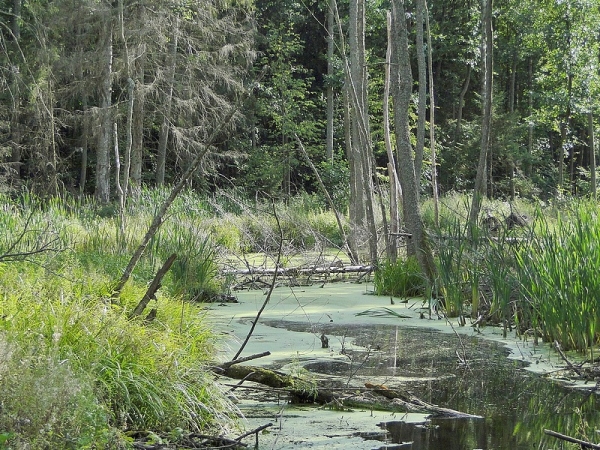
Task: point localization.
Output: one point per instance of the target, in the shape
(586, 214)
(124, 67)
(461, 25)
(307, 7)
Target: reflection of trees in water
(516, 405)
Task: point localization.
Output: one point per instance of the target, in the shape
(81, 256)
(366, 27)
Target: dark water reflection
(516, 404)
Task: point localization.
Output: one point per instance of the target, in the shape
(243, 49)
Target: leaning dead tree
(185, 177)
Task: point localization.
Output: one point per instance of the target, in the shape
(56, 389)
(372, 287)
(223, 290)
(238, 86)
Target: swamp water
(452, 367)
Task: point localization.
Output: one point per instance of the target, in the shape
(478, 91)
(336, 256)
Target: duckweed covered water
(458, 371)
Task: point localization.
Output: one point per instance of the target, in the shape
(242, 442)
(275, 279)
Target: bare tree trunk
(434, 183)
(120, 192)
(401, 93)
(422, 99)
(355, 71)
(528, 168)
(330, 71)
(479, 190)
(15, 95)
(566, 128)
(137, 143)
(104, 135)
(161, 157)
(511, 108)
(392, 251)
(351, 157)
(364, 150)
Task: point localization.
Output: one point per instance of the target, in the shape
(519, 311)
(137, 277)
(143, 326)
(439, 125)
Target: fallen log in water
(294, 271)
(301, 391)
(414, 404)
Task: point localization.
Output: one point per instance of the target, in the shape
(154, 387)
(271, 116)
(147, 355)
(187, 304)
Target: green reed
(558, 274)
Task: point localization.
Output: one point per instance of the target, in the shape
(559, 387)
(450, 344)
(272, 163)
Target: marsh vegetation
(78, 372)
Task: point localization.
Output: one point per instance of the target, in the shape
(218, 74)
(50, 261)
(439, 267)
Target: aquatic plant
(402, 278)
(558, 275)
(454, 267)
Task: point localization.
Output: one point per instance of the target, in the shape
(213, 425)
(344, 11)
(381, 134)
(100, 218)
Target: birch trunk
(330, 71)
(434, 183)
(422, 99)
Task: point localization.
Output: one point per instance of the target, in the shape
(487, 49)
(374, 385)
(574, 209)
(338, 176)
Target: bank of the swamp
(510, 382)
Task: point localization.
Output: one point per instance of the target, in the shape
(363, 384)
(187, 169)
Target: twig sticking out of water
(271, 287)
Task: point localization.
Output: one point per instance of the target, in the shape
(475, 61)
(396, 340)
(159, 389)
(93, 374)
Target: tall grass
(558, 272)
(143, 375)
(75, 370)
(403, 278)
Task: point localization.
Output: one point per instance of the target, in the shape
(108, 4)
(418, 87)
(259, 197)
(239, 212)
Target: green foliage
(46, 403)
(454, 267)
(195, 271)
(559, 277)
(145, 375)
(400, 279)
(75, 369)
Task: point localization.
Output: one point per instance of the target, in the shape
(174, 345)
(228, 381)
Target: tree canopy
(153, 78)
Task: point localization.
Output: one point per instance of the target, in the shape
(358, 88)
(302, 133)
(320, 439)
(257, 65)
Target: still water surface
(466, 374)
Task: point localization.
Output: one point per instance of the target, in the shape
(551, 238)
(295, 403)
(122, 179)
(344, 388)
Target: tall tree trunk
(358, 143)
(15, 94)
(487, 58)
(161, 157)
(366, 147)
(434, 183)
(422, 98)
(528, 167)
(330, 73)
(102, 193)
(511, 109)
(137, 144)
(401, 94)
(392, 251)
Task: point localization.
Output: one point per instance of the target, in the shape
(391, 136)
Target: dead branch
(566, 360)
(351, 251)
(14, 251)
(244, 359)
(563, 437)
(255, 431)
(412, 403)
(154, 286)
(300, 270)
(271, 287)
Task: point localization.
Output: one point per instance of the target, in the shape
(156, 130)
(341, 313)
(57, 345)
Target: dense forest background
(101, 97)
